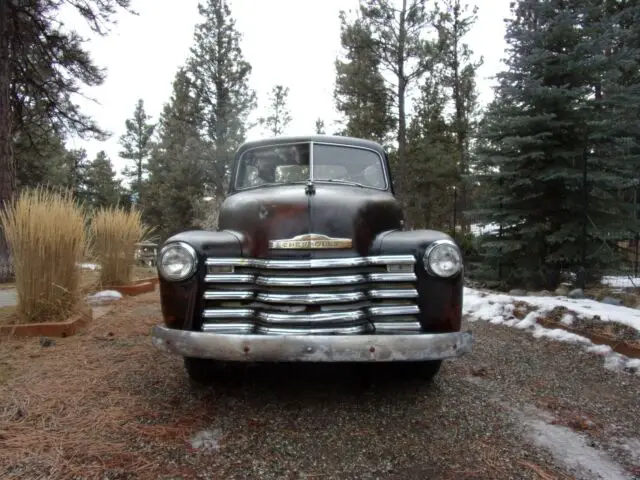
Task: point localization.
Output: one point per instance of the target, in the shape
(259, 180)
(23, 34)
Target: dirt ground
(106, 405)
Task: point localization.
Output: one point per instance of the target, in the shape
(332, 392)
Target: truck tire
(425, 371)
(201, 371)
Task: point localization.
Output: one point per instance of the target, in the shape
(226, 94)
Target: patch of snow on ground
(89, 266)
(207, 440)
(498, 308)
(570, 448)
(478, 229)
(104, 296)
(484, 305)
(107, 294)
(621, 282)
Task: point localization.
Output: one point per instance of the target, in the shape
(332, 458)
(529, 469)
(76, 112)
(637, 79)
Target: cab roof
(335, 139)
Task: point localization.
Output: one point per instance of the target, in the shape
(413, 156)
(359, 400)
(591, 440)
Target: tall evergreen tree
(221, 77)
(43, 64)
(401, 43)
(75, 166)
(360, 94)
(136, 145)
(549, 155)
(40, 158)
(102, 187)
(319, 129)
(279, 116)
(431, 149)
(178, 163)
(457, 71)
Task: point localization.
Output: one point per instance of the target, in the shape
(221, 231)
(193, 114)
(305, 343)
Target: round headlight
(443, 258)
(177, 261)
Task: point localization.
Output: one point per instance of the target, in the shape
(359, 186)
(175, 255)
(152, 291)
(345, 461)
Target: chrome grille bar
(228, 295)
(310, 298)
(312, 318)
(348, 262)
(311, 281)
(317, 296)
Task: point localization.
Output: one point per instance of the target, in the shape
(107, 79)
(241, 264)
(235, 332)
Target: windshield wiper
(344, 182)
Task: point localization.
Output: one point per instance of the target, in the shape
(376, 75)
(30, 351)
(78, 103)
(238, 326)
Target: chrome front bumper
(312, 348)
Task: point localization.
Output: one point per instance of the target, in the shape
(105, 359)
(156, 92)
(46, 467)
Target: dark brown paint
(371, 218)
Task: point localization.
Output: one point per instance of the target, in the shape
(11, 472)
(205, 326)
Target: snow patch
(104, 296)
(499, 309)
(621, 282)
(570, 448)
(88, 266)
(207, 440)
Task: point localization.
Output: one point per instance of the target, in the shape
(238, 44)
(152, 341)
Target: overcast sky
(290, 42)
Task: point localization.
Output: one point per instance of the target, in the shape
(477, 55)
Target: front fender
(181, 301)
(440, 299)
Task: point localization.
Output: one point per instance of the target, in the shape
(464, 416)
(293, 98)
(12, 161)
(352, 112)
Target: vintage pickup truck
(311, 262)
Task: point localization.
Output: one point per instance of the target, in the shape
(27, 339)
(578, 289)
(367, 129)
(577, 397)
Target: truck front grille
(335, 295)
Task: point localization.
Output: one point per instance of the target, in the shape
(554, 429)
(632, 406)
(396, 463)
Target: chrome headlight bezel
(192, 263)
(429, 252)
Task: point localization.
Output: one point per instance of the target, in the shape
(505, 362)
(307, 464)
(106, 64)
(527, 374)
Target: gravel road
(516, 408)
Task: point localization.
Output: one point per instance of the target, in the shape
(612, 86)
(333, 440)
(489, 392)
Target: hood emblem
(310, 241)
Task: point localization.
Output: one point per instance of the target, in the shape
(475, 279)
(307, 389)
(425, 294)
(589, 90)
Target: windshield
(278, 164)
(351, 164)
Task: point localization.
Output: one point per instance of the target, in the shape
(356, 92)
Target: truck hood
(284, 212)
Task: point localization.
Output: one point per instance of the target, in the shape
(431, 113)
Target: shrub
(46, 233)
(115, 233)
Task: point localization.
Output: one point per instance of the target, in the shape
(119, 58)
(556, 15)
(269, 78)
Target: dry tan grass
(115, 233)
(47, 236)
(86, 407)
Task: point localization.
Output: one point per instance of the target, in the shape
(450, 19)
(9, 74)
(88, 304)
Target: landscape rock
(516, 292)
(47, 342)
(104, 297)
(576, 293)
(612, 301)
(562, 291)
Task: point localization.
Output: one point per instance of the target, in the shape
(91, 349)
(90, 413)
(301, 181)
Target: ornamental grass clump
(47, 237)
(115, 233)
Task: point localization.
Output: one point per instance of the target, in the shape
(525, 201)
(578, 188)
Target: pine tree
(544, 131)
(431, 149)
(221, 77)
(319, 129)
(278, 117)
(360, 94)
(136, 145)
(43, 64)
(401, 43)
(178, 164)
(457, 73)
(102, 187)
(40, 158)
(76, 164)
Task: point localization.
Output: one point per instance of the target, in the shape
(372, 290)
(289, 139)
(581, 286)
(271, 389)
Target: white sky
(291, 42)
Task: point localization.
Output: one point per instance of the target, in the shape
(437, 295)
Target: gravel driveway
(517, 408)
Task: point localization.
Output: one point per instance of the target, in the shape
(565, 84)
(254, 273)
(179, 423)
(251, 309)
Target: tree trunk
(403, 168)
(7, 165)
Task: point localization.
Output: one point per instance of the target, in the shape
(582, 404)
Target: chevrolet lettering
(309, 242)
(311, 262)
